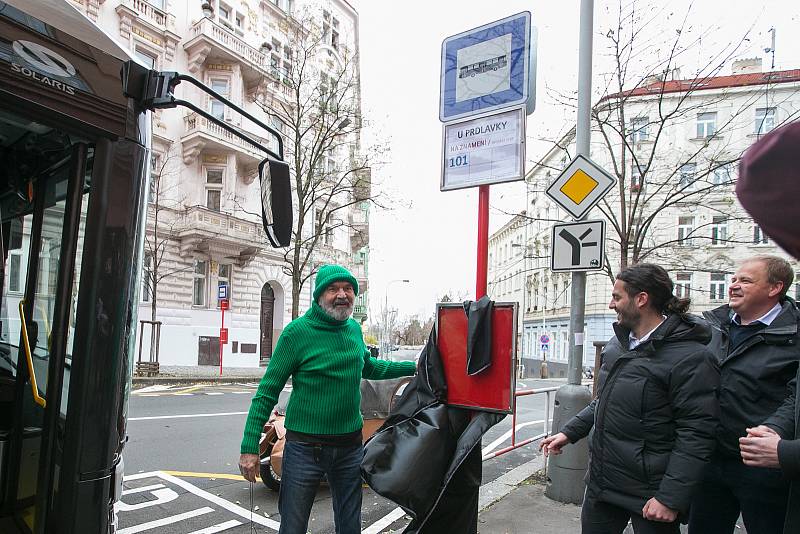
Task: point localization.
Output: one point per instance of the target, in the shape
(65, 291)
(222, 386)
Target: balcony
(220, 235)
(201, 134)
(209, 40)
(150, 23)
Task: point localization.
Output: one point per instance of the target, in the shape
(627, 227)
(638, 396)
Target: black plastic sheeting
(426, 456)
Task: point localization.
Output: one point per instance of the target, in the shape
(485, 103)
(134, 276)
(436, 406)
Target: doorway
(267, 320)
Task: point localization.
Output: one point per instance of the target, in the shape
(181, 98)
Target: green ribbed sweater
(326, 359)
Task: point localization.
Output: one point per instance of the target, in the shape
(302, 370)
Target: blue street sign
(222, 290)
(487, 68)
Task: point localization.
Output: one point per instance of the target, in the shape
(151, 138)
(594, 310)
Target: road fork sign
(578, 246)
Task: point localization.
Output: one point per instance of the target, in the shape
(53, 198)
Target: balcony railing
(236, 46)
(148, 11)
(195, 123)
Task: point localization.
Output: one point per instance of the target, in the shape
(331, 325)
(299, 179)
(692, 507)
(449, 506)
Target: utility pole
(566, 471)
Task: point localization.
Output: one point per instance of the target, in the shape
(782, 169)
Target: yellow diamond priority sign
(580, 186)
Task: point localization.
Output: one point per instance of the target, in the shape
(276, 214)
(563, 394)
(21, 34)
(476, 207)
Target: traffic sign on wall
(578, 246)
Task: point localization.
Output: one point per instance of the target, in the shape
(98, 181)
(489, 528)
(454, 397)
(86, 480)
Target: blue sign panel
(222, 290)
(486, 68)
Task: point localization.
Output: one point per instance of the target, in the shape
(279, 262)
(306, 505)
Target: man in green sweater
(324, 353)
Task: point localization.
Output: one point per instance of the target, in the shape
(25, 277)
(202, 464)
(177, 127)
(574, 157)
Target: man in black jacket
(652, 424)
(768, 174)
(755, 339)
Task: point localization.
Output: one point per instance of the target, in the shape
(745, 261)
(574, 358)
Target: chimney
(746, 66)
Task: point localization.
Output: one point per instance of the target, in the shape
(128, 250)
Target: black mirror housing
(276, 201)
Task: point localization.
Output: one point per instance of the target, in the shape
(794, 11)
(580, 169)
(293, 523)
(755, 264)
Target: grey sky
(430, 238)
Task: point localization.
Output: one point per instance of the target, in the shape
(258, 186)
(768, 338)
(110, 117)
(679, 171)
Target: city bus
(483, 66)
(74, 175)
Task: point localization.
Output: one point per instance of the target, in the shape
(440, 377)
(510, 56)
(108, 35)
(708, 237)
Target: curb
(143, 381)
(505, 484)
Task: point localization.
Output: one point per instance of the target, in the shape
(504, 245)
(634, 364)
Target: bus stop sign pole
(483, 241)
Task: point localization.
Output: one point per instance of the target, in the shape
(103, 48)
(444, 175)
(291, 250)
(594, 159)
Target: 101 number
(458, 161)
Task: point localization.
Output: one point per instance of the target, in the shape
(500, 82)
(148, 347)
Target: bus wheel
(269, 477)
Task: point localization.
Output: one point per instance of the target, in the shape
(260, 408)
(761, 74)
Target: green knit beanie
(329, 274)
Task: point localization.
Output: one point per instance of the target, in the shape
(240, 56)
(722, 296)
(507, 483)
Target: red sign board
(224, 304)
(492, 389)
(223, 336)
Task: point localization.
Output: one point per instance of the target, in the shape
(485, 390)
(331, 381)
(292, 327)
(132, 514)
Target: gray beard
(337, 313)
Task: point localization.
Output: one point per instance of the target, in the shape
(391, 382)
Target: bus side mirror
(276, 201)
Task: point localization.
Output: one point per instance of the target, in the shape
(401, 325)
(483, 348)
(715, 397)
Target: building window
(224, 276)
(640, 129)
(199, 283)
(14, 272)
(765, 120)
(636, 179)
(324, 230)
(687, 175)
(759, 237)
(683, 285)
(685, 229)
(718, 288)
(706, 124)
(723, 175)
(147, 275)
(148, 58)
(224, 12)
(214, 179)
(221, 86)
(719, 230)
(157, 3)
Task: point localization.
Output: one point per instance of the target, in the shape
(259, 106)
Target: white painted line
(183, 394)
(213, 393)
(242, 392)
(238, 510)
(384, 522)
(185, 416)
(218, 528)
(142, 489)
(139, 476)
(151, 389)
(502, 486)
(493, 445)
(166, 521)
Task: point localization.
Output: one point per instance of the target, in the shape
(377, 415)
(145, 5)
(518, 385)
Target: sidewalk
(515, 504)
(181, 374)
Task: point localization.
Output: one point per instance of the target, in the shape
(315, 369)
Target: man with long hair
(651, 427)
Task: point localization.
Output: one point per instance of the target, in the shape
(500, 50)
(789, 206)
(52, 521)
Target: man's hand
(655, 511)
(249, 466)
(553, 444)
(760, 447)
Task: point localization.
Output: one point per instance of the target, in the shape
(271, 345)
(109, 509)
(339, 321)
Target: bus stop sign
(487, 68)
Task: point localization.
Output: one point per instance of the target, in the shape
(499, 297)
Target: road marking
(238, 510)
(142, 489)
(182, 394)
(241, 392)
(185, 416)
(166, 521)
(493, 445)
(224, 476)
(384, 522)
(212, 393)
(151, 389)
(218, 528)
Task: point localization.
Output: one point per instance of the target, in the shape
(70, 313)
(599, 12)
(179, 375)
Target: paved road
(182, 472)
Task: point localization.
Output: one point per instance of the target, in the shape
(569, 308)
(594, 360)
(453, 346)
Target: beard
(340, 310)
(629, 318)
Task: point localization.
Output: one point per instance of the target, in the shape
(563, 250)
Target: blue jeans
(303, 466)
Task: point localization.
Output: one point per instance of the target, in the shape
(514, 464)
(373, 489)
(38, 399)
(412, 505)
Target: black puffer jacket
(755, 375)
(652, 424)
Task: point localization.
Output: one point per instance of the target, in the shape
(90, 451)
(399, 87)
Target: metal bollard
(567, 470)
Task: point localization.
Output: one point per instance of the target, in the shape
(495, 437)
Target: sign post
(566, 471)
(224, 304)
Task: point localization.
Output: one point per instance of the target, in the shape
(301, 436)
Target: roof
(716, 82)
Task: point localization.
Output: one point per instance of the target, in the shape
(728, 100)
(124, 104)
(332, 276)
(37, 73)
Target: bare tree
(645, 103)
(165, 213)
(414, 331)
(315, 102)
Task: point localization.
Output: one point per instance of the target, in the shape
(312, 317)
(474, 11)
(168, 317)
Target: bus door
(43, 200)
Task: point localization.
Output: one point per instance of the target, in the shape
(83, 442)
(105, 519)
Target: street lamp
(385, 330)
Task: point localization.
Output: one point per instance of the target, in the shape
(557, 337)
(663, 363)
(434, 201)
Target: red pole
(483, 240)
(220, 341)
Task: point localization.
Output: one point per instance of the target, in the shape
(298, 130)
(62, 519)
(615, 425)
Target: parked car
(378, 397)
